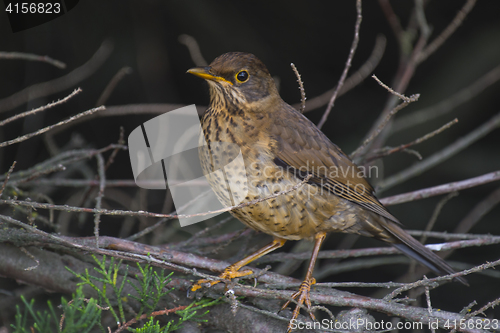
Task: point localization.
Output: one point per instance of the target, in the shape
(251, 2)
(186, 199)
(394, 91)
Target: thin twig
(151, 228)
(491, 304)
(95, 182)
(121, 142)
(441, 278)
(60, 84)
(447, 235)
(301, 88)
(149, 214)
(393, 21)
(352, 51)
(480, 209)
(421, 116)
(112, 84)
(428, 299)
(425, 30)
(23, 249)
(6, 180)
(450, 29)
(395, 93)
(194, 49)
(386, 152)
(436, 213)
(61, 322)
(48, 128)
(384, 122)
(100, 194)
(468, 314)
(207, 230)
(32, 57)
(64, 158)
(441, 189)
(42, 108)
(353, 80)
(152, 314)
(356, 253)
(442, 155)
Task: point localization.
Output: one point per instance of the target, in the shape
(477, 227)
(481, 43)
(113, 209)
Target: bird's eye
(242, 76)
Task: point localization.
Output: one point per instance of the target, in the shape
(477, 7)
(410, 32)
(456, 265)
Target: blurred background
(316, 37)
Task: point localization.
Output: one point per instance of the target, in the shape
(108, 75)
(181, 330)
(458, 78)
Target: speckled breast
(240, 172)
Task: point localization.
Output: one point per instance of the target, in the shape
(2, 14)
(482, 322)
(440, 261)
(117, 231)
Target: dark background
(316, 36)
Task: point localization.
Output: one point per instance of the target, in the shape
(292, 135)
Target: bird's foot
(302, 296)
(229, 273)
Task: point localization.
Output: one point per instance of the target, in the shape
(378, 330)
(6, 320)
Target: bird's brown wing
(304, 149)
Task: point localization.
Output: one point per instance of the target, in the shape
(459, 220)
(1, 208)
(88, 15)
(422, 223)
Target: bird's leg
(232, 271)
(302, 296)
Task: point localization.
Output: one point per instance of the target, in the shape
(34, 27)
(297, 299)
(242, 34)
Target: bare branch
(7, 176)
(112, 85)
(442, 155)
(436, 213)
(37, 262)
(481, 209)
(384, 122)
(385, 152)
(395, 93)
(353, 80)
(57, 85)
(393, 20)
(450, 29)
(441, 189)
(194, 49)
(148, 315)
(100, 194)
(42, 108)
(342, 254)
(149, 214)
(48, 128)
(421, 116)
(33, 57)
(207, 230)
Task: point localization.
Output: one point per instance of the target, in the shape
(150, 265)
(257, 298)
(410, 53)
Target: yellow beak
(204, 73)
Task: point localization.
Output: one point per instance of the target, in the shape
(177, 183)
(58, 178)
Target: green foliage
(82, 314)
(151, 327)
(151, 288)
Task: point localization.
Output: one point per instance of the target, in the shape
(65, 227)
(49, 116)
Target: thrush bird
(280, 149)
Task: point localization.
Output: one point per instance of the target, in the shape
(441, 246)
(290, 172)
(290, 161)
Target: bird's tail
(414, 249)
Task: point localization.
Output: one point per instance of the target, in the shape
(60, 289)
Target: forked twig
(385, 121)
(441, 155)
(450, 29)
(386, 152)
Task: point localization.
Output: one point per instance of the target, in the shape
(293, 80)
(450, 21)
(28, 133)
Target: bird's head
(238, 78)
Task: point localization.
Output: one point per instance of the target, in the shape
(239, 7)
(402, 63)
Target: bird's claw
(229, 273)
(302, 296)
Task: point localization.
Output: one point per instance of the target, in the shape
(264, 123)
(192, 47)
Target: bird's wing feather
(304, 149)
